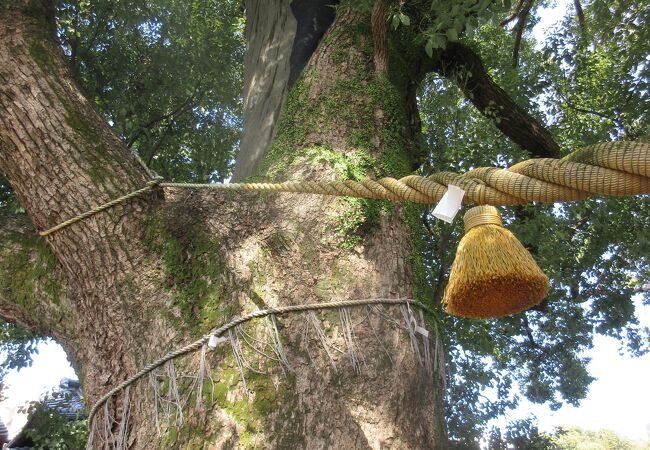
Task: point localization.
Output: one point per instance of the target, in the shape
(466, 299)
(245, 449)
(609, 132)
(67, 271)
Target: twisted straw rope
(613, 168)
(149, 186)
(238, 321)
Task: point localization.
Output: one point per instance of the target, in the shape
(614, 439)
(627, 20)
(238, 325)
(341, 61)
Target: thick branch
(62, 159)
(463, 66)
(57, 152)
(513, 14)
(581, 15)
(379, 34)
(270, 32)
(275, 29)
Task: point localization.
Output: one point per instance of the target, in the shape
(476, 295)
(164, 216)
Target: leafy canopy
(166, 74)
(589, 85)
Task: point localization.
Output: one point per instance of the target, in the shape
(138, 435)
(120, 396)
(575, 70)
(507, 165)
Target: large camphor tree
(330, 91)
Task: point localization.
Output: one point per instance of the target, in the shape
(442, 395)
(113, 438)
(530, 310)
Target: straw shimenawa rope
(149, 186)
(613, 168)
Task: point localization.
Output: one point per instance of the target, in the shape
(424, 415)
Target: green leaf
(452, 34)
(429, 47)
(396, 21)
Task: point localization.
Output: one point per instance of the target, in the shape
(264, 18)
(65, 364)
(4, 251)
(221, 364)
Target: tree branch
(614, 120)
(529, 332)
(519, 30)
(514, 14)
(56, 151)
(181, 108)
(581, 15)
(462, 65)
(379, 35)
(61, 159)
(444, 237)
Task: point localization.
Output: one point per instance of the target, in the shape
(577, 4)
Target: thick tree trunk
(126, 285)
(270, 32)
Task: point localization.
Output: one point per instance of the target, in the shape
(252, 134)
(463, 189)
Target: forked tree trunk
(124, 286)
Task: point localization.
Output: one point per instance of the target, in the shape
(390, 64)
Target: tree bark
(133, 282)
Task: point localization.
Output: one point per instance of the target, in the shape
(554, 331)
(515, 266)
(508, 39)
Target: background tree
(577, 438)
(523, 434)
(150, 69)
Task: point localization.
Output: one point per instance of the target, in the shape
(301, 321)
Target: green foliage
(521, 434)
(18, 347)
(596, 252)
(600, 74)
(166, 74)
(48, 430)
(438, 23)
(7, 198)
(579, 439)
(524, 434)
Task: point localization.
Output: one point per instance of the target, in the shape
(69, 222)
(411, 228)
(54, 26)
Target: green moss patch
(193, 271)
(25, 269)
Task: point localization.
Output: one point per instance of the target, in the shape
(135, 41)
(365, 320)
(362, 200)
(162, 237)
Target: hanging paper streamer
(449, 204)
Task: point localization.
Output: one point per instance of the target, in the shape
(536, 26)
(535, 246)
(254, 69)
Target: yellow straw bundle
(493, 275)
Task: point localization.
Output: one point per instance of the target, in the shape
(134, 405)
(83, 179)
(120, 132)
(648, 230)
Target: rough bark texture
(61, 159)
(273, 76)
(86, 283)
(126, 285)
(379, 34)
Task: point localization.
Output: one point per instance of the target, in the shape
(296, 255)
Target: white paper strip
(423, 331)
(449, 204)
(214, 341)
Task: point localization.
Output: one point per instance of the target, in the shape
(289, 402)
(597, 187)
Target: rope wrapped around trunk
(220, 331)
(612, 168)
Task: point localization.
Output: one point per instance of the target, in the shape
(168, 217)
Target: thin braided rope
(238, 321)
(150, 185)
(614, 168)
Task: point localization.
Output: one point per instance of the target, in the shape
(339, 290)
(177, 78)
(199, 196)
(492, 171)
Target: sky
(618, 400)
(49, 366)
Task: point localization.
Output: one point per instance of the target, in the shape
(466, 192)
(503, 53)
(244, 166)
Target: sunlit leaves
(18, 346)
(602, 73)
(595, 252)
(167, 75)
(437, 23)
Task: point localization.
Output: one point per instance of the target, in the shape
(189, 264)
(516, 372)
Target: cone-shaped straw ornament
(493, 275)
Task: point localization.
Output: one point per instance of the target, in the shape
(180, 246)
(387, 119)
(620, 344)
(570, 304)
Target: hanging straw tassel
(493, 275)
